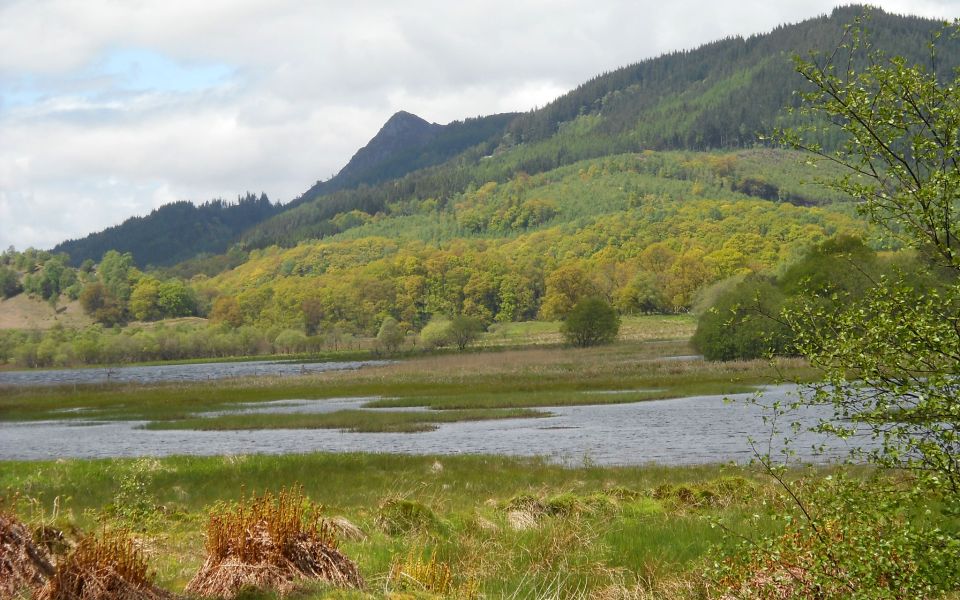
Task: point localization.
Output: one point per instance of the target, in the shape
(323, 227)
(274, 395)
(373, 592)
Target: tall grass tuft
(23, 565)
(399, 516)
(105, 567)
(432, 575)
(270, 542)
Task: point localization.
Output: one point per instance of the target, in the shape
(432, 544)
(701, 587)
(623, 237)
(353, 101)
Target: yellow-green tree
(145, 299)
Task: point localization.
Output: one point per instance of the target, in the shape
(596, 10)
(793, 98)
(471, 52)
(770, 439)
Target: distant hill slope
(174, 232)
(27, 313)
(718, 96)
(722, 95)
(406, 143)
(180, 231)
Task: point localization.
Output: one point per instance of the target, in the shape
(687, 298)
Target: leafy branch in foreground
(900, 125)
(889, 353)
(891, 359)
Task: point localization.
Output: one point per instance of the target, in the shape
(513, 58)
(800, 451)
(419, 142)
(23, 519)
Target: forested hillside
(406, 143)
(174, 232)
(645, 231)
(723, 95)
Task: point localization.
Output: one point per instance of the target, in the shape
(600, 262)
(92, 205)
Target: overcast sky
(109, 109)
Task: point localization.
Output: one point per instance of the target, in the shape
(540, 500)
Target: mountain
(180, 231)
(406, 143)
(722, 95)
(174, 232)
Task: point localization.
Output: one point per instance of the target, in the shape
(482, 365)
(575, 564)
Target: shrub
(847, 538)
(289, 341)
(390, 336)
(742, 323)
(436, 333)
(591, 322)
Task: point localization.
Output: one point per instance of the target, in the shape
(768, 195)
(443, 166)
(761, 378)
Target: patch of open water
(174, 373)
(696, 430)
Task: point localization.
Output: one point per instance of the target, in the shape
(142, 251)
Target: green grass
(361, 421)
(602, 526)
(634, 328)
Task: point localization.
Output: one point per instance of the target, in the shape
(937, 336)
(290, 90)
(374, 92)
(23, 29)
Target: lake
(696, 430)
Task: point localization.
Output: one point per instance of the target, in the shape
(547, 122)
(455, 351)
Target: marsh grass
(362, 421)
(478, 382)
(431, 575)
(596, 528)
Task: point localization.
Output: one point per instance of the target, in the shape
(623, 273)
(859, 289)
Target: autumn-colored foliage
(270, 542)
(105, 567)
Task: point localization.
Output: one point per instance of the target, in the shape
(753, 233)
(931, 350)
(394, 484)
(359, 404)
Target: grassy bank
(506, 527)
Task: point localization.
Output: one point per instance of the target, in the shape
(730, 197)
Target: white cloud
(276, 94)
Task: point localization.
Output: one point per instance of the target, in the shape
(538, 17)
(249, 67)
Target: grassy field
(23, 312)
(632, 329)
(507, 528)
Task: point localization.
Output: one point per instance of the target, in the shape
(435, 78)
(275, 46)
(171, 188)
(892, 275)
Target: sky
(111, 108)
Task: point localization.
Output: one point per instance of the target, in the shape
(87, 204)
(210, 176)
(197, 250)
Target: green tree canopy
(391, 335)
(464, 330)
(144, 299)
(591, 322)
(742, 322)
(176, 299)
(9, 282)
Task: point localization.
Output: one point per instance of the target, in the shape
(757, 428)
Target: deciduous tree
(591, 322)
(464, 330)
(390, 336)
(892, 358)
